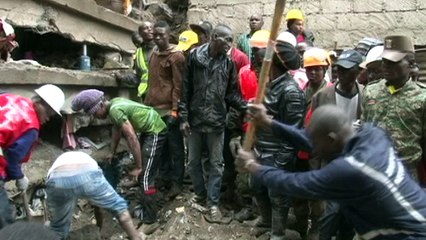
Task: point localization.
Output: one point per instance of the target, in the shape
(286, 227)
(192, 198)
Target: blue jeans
(63, 193)
(6, 212)
(214, 143)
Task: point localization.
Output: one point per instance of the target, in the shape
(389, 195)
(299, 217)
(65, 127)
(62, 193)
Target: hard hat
(6, 27)
(316, 57)
(186, 40)
(288, 37)
(260, 39)
(53, 96)
(294, 14)
(375, 54)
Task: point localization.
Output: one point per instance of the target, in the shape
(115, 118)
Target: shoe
(198, 200)
(243, 215)
(174, 191)
(262, 223)
(215, 214)
(150, 228)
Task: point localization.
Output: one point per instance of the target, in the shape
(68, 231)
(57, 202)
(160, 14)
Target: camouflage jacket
(402, 114)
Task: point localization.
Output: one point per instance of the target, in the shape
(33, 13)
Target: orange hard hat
(316, 57)
(260, 39)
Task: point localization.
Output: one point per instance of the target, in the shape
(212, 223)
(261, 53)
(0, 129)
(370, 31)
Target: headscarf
(89, 100)
(287, 55)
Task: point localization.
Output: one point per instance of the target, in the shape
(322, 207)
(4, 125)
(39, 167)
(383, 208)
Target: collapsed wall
(343, 21)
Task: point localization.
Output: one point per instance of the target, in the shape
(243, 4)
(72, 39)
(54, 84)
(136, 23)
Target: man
(209, 86)
(397, 104)
(75, 175)
(363, 174)
(142, 56)
(21, 119)
(165, 81)
(347, 95)
(285, 102)
(187, 40)
(296, 25)
(130, 119)
(372, 65)
(203, 31)
(243, 42)
(316, 62)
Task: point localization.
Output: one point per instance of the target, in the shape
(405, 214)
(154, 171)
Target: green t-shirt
(144, 119)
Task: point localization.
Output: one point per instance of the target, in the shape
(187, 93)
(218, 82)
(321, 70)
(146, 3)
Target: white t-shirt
(72, 163)
(349, 105)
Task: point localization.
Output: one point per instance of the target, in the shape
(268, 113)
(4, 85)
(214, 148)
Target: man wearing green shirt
(243, 43)
(131, 118)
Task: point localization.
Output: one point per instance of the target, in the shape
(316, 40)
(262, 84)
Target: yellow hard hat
(260, 39)
(294, 14)
(186, 40)
(316, 57)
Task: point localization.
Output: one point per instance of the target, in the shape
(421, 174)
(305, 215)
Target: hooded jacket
(367, 179)
(209, 87)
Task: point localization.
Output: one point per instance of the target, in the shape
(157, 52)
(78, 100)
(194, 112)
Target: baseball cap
(204, 26)
(397, 47)
(186, 40)
(349, 59)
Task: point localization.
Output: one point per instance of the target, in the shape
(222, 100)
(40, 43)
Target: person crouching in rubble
(7, 43)
(76, 175)
(20, 122)
(131, 118)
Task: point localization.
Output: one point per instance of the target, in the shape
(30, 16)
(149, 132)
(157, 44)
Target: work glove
(235, 145)
(22, 184)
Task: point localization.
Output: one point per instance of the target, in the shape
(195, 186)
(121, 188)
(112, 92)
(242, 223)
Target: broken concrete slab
(82, 21)
(13, 73)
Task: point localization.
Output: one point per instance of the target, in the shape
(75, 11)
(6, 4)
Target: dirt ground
(179, 220)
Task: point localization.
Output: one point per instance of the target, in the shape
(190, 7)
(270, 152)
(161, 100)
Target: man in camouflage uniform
(397, 103)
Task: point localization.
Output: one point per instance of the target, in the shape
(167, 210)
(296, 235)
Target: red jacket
(17, 116)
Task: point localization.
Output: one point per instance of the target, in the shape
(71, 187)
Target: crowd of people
(340, 136)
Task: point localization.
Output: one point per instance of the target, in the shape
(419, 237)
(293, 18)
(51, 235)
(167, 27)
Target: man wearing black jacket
(285, 103)
(209, 87)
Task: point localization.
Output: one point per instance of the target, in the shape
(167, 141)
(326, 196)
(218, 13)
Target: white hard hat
(287, 36)
(53, 96)
(7, 28)
(375, 54)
